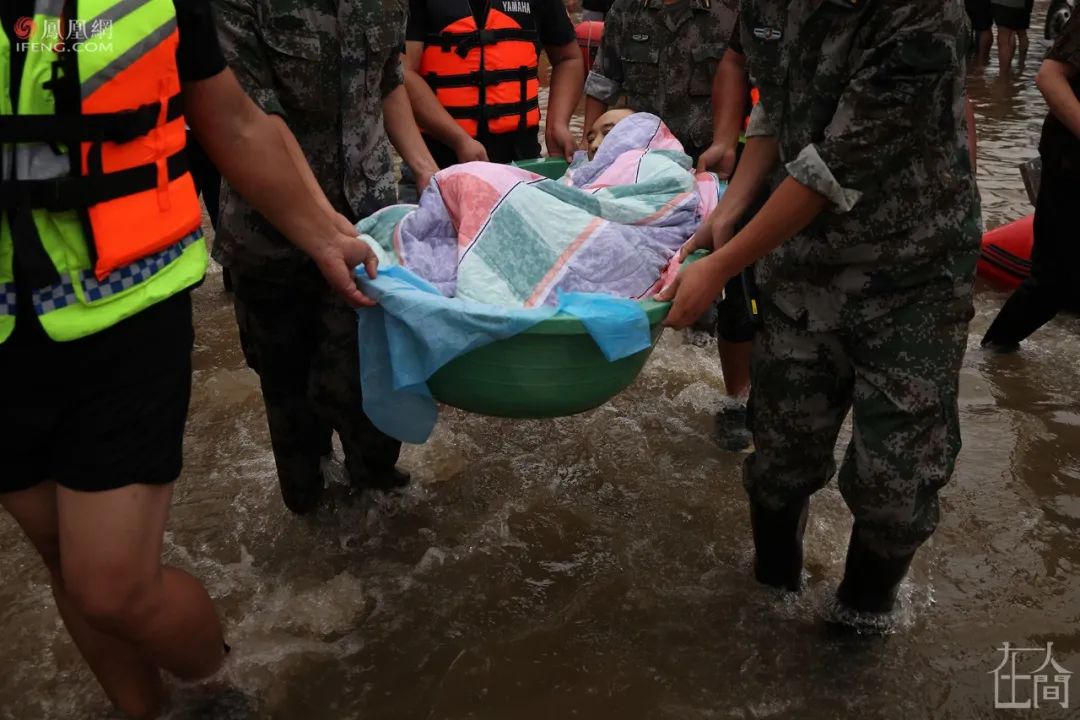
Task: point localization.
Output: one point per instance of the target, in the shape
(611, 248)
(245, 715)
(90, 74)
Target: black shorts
(736, 315)
(981, 13)
(1012, 18)
(98, 413)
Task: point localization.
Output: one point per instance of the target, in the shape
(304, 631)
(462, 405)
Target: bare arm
(1053, 82)
(759, 161)
(567, 80)
(405, 136)
(603, 86)
(251, 150)
(789, 210)
(731, 85)
(430, 115)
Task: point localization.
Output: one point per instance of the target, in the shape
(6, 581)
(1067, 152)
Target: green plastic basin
(553, 168)
(551, 370)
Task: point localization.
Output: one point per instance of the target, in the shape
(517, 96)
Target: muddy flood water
(599, 566)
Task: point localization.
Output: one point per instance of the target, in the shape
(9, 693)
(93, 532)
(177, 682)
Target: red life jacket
(486, 78)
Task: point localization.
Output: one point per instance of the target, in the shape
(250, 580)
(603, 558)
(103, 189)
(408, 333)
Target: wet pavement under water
(599, 566)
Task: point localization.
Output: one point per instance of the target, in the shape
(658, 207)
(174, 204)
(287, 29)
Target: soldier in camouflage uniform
(662, 56)
(329, 75)
(874, 228)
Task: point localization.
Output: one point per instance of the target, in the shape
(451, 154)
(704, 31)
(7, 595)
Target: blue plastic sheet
(415, 330)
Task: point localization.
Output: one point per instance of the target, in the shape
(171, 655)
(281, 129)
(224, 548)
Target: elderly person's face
(603, 126)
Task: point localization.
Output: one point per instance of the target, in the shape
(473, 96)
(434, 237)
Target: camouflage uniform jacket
(324, 67)
(866, 99)
(663, 61)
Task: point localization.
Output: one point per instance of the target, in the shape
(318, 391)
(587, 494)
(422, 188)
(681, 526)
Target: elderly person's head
(603, 126)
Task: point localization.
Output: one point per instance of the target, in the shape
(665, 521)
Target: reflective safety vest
(98, 208)
(484, 77)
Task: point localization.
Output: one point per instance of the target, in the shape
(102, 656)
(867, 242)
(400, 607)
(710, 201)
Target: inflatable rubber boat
(1005, 257)
(589, 34)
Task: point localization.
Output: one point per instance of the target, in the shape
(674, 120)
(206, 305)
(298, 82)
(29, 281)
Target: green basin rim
(564, 324)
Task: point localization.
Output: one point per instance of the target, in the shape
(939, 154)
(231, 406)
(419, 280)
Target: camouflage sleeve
(238, 30)
(393, 75)
(605, 79)
(759, 123)
(903, 90)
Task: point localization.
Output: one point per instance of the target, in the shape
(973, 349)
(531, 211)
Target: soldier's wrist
(725, 138)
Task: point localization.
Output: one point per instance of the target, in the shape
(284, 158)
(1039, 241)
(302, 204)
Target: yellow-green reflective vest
(97, 204)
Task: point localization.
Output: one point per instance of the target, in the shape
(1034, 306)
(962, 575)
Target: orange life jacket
(486, 78)
(129, 181)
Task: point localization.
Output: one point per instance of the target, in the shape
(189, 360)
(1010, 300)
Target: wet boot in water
(732, 432)
(383, 479)
(302, 487)
(391, 479)
(867, 595)
(778, 544)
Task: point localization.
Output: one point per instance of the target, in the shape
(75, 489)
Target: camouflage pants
(304, 348)
(899, 376)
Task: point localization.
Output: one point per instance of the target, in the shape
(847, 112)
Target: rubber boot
(732, 432)
(391, 479)
(871, 581)
(363, 477)
(778, 544)
(302, 485)
(1026, 310)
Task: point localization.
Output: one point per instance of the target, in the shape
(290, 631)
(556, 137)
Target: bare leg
(130, 680)
(112, 570)
(1006, 48)
(1022, 38)
(985, 45)
(735, 363)
(732, 432)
